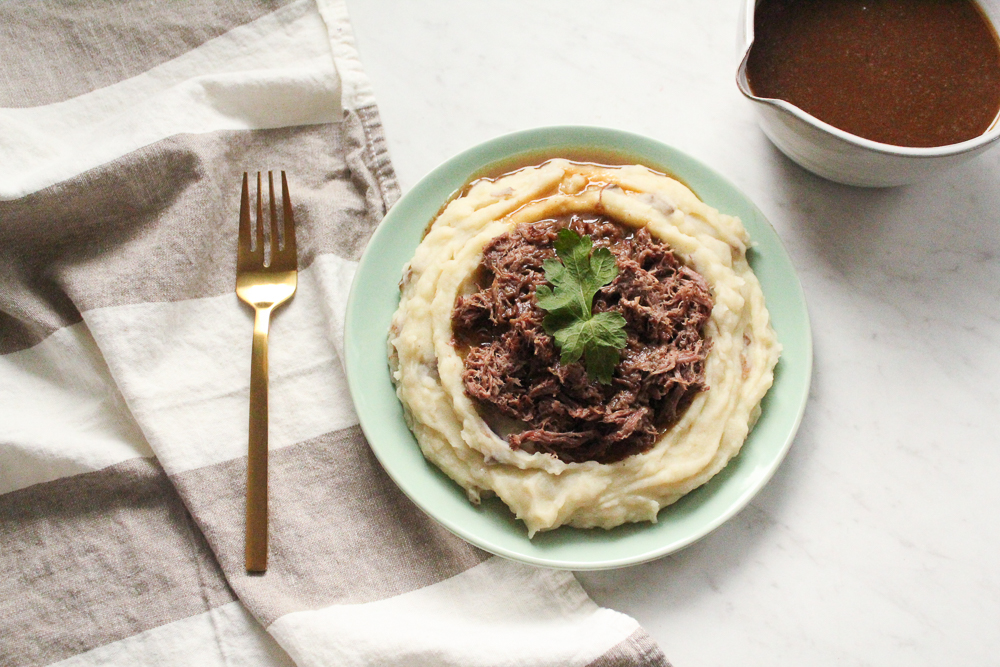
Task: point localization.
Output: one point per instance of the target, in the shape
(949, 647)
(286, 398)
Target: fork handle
(256, 535)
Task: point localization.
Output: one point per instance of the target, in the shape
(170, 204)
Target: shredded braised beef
(512, 366)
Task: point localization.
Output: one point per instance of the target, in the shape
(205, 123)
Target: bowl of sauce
(873, 92)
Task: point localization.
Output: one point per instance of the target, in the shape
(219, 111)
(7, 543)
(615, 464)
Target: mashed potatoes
(541, 490)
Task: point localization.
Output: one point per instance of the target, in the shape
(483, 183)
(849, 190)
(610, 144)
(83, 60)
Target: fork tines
(281, 255)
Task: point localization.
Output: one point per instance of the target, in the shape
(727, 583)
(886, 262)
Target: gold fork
(264, 282)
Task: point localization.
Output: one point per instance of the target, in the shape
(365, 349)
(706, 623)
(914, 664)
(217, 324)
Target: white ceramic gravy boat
(838, 155)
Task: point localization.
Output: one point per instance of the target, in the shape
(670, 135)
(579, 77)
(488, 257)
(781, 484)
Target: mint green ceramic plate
(491, 526)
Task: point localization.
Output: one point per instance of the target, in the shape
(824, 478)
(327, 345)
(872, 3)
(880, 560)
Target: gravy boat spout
(838, 155)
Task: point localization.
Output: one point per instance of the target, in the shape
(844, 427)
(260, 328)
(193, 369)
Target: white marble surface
(877, 541)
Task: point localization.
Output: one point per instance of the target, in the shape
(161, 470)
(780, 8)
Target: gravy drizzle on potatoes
(541, 490)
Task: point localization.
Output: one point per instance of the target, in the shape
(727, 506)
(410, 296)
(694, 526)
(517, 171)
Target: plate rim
(566, 135)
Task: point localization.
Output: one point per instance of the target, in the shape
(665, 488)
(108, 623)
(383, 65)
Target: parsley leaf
(578, 332)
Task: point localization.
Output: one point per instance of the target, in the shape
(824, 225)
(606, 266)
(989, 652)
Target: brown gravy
(904, 72)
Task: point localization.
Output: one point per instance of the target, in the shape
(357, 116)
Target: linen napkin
(124, 365)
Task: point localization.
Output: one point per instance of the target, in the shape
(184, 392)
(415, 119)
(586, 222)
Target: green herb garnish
(579, 332)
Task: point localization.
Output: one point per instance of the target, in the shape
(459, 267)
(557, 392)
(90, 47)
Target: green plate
(491, 526)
